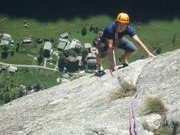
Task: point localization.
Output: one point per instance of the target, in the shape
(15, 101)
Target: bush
(164, 130)
(1, 95)
(1, 102)
(84, 31)
(6, 97)
(126, 89)
(61, 62)
(70, 52)
(84, 53)
(4, 54)
(154, 105)
(46, 53)
(72, 66)
(40, 59)
(37, 87)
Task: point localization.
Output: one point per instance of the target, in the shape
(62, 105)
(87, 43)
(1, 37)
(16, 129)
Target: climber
(113, 36)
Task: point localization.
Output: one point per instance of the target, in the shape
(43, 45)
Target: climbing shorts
(126, 45)
(102, 47)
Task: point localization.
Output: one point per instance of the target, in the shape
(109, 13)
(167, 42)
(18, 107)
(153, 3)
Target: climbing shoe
(100, 73)
(124, 64)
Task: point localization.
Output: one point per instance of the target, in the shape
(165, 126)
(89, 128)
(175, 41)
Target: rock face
(85, 106)
(161, 78)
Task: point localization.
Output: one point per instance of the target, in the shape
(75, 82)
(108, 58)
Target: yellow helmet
(122, 18)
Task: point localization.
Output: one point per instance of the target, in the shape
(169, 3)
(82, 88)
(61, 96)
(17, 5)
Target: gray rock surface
(161, 78)
(84, 106)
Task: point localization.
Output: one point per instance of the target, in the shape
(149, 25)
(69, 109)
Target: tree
(61, 62)
(46, 53)
(69, 52)
(37, 87)
(83, 31)
(4, 54)
(40, 59)
(12, 95)
(6, 97)
(19, 92)
(84, 53)
(1, 95)
(72, 64)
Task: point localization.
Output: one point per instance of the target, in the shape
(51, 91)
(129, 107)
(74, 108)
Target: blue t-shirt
(110, 31)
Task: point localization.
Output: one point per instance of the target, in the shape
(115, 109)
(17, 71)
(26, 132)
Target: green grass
(124, 90)
(36, 75)
(28, 76)
(11, 84)
(19, 58)
(16, 28)
(154, 105)
(164, 129)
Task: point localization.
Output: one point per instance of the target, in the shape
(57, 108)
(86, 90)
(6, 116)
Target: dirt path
(29, 66)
